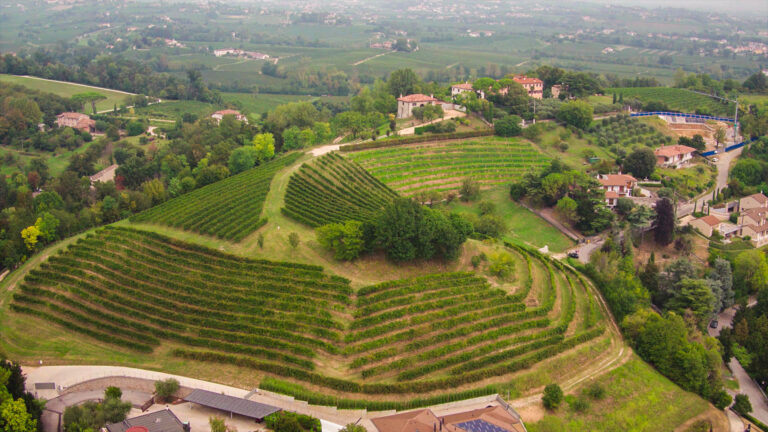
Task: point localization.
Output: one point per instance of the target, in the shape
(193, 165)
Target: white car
(715, 159)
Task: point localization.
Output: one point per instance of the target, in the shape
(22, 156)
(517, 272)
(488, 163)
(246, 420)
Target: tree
(134, 128)
(750, 271)
(741, 404)
(165, 390)
(88, 97)
(30, 235)
(576, 113)
(508, 126)
(14, 416)
(291, 138)
(665, 222)
(264, 144)
(719, 135)
(402, 82)
(694, 295)
(353, 427)
(241, 159)
(47, 224)
(113, 392)
(293, 239)
(346, 240)
(721, 273)
(217, 424)
(469, 190)
(553, 396)
(567, 208)
(641, 163)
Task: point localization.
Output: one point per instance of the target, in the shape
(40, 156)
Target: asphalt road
(723, 164)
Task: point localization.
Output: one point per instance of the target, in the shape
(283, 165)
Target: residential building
(218, 115)
(158, 421)
(710, 224)
(556, 90)
(406, 104)
(757, 200)
(493, 418)
(534, 86)
(674, 156)
(616, 186)
(458, 89)
(76, 120)
(754, 223)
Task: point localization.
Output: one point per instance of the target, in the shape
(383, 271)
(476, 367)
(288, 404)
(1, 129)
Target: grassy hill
(677, 99)
(68, 90)
(334, 189)
(442, 166)
(228, 209)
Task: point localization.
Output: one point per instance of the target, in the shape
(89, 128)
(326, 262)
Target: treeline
(110, 72)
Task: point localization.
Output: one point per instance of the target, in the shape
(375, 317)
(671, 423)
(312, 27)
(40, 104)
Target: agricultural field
(442, 166)
(626, 132)
(334, 189)
(229, 209)
(300, 326)
(57, 161)
(68, 90)
(677, 99)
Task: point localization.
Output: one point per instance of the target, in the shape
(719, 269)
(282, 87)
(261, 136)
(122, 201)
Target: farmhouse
(757, 200)
(616, 186)
(458, 89)
(76, 121)
(534, 86)
(674, 156)
(494, 418)
(556, 90)
(754, 223)
(158, 421)
(406, 104)
(218, 115)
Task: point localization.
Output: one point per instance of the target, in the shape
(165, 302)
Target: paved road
(723, 164)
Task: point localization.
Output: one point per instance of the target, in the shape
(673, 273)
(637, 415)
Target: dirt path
(80, 85)
(230, 64)
(371, 58)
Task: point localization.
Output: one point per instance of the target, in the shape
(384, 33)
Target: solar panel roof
(235, 405)
(480, 426)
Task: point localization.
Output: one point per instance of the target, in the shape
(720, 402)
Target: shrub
(166, 389)
(579, 404)
(285, 421)
(508, 126)
(469, 190)
(595, 391)
(490, 225)
(475, 260)
(501, 265)
(345, 240)
(260, 240)
(553, 396)
(113, 392)
(486, 207)
(741, 404)
(293, 239)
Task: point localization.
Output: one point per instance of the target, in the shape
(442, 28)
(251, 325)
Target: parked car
(573, 254)
(713, 324)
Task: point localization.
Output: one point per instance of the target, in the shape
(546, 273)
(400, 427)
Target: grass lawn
(574, 154)
(690, 182)
(637, 399)
(174, 109)
(57, 161)
(68, 90)
(524, 226)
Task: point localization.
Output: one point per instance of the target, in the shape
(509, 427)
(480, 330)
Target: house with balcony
(674, 156)
(616, 186)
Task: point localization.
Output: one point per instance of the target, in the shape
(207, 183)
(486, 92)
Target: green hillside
(229, 209)
(333, 189)
(677, 99)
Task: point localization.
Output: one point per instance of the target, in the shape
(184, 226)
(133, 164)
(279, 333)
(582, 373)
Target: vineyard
(229, 209)
(677, 99)
(625, 132)
(440, 333)
(334, 189)
(443, 166)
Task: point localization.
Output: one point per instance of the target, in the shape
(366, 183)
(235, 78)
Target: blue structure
(692, 116)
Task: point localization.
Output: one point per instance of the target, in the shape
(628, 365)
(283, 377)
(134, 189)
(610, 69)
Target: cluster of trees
(575, 84)
(22, 109)
(19, 410)
(404, 230)
(750, 173)
(286, 421)
(92, 416)
(672, 342)
(747, 339)
(577, 196)
(298, 125)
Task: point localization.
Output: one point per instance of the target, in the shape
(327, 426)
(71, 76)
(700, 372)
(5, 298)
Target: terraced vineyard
(229, 209)
(334, 189)
(676, 99)
(438, 333)
(442, 166)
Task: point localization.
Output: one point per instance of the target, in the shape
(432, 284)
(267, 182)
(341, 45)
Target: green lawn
(57, 161)
(573, 155)
(637, 399)
(67, 90)
(524, 226)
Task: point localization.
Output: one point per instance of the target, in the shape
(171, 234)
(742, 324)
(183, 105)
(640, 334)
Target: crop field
(229, 209)
(677, 99)
(443, 166)
(334, 189)
(626, 132)
(140, 291)
(68, 90)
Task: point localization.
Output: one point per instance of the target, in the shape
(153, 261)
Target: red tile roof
(463, 86)
(611, 194)
(616, 180)
(522, 79)
(759, 197)
(710, 220)
(73, 115)
(418, 97)
(673, 150)
(228, 112)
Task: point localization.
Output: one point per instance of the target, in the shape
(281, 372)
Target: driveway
(723, 165)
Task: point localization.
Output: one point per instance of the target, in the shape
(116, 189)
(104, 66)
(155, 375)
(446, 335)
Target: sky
(752, 8)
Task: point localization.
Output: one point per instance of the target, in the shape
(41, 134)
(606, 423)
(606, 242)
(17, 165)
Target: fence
(730, 148)
(684, 115)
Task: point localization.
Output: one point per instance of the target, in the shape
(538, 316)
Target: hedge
(391, 142)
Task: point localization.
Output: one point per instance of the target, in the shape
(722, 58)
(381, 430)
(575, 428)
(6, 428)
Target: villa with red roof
(406, 104)
(218, 115)
(674, 156)
(534, 86)
(616, 186)
(76, 121)
(489, 419)
(458, 89)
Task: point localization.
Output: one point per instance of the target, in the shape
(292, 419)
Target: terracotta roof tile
(673, 150)
(418, 97)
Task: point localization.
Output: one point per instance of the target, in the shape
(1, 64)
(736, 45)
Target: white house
(406, 104)
(458, 89)
(616, 186)
(674, 156)
(218, 115)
